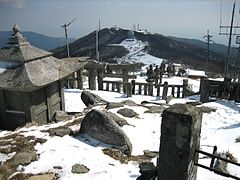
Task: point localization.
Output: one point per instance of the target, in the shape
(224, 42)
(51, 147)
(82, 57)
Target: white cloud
(14, 3)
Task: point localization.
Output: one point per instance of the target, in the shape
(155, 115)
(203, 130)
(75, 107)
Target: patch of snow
(4, 157)
(137, 52)
(73, 101)
(191, 72)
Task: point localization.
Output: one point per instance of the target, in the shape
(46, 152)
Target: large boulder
(129, 103)
(90, 99)
(127, 112)
(101, 126)
(111, 105)
(79, 169)
(120, 121)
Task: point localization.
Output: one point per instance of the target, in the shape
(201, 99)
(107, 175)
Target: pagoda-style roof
(27, 68)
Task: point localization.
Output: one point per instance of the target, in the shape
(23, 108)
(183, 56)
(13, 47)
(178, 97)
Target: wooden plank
(2, 102)
(129, 76)
(15, 112)
(61, 90)
(48, 102)
(129, 67)
(40, 109)
(27, 103)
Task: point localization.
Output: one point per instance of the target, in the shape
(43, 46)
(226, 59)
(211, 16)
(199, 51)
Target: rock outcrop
(90, 99)
(101, 126)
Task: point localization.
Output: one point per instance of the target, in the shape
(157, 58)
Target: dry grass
(15, 143)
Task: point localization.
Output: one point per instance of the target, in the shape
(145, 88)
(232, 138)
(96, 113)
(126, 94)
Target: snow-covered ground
(219, 128)
(137, 52)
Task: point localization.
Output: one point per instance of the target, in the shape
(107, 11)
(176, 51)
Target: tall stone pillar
(100, 79)
(80, 78)
(180, 137)
(92, 79)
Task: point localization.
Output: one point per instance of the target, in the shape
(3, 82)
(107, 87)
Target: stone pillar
(129, 89)
(150, 89)
(180, 137)
(100, 79)
(75, 82)
(92, 79)
(165, 90)
(185, 85)
(125, 75)
(133, 86)
(80, 78)
(204, 90)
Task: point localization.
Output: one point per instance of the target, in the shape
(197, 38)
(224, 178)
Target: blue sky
(181, 18)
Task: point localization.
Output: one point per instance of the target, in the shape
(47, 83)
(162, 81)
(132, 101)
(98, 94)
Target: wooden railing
(151, 89)
(219, 89)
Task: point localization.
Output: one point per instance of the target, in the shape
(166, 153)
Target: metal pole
(67, 45)
(97, 52)
(238, 65)
(226, 67)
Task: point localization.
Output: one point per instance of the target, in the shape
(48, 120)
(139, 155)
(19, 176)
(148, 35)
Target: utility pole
(97, 42)
(230, 34)
(237, 65)
(208, 39)
(66, 35)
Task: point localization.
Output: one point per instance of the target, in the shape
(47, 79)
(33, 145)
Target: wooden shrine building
(31, 83)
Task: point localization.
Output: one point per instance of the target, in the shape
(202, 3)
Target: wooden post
(92, 79)
(180, 137)
(107, 86)
(145, 89)
(158, 90)
(113, 86)
(3, 121)
(173, 91)
(150, 89)
(133, 86)
(178, 92)
(165, 90)
(129, 89)
(119, 86)
(140, 89)
(100, 79)
(80, 78)
(237, 93)
(71, 81)
(75, 82)
(185, 85)
(61, 90)
(125, 75)
(204, 90)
